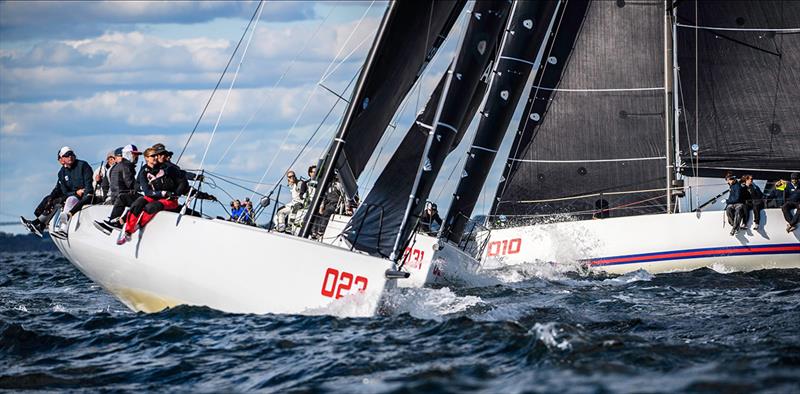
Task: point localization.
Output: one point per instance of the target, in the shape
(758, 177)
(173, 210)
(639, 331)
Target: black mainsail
(526, 33)
(740, 86)
(409, 36)
(591, 140)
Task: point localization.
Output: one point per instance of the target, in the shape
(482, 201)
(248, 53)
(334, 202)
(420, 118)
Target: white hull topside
(223, 265)
(654, 243)
(427, 261)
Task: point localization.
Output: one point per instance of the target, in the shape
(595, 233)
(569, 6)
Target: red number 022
(336, 282)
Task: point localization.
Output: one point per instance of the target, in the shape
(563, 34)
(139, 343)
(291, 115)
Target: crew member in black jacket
(161, 186)
(734, 209)
(75, 182)
(753, 199)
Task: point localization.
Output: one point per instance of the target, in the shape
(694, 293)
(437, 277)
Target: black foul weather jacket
(79, 176)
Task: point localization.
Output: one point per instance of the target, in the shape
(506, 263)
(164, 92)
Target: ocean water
(526, 329)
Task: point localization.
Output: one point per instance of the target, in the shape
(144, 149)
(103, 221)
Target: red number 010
(502, 248)
(336, 284)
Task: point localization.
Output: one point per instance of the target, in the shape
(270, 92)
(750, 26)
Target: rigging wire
(311, 95)
(418, 88)
(326, 73)
(275, 85)
(230, 88)
(219, 81)
(322, 123)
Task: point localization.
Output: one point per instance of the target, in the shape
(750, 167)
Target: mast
(668, 103)
(519, 53)
(344, 127)
(475, 51)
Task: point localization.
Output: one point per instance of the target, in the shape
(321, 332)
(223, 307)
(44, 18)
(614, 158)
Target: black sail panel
(740, 87)
(487, 20)
(374, 225)
(411, 39)
(592, 138)
(526, 33)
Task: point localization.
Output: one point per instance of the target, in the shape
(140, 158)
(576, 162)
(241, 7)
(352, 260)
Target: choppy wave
(527, 330)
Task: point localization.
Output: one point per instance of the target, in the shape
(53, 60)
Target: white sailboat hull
(223, 265)
(428, 263)
(655, 243)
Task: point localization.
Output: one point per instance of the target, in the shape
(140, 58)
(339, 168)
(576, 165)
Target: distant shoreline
(25, 243)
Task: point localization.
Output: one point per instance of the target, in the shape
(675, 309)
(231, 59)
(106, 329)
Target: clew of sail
(591, 141)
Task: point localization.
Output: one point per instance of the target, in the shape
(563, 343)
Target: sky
(99, 75)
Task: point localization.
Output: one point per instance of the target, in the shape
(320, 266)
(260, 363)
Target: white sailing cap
(64, 151)
(131, 148)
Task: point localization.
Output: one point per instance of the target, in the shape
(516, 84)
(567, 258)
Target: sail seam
(589, 161)
(781, 30)
(599, 90)
(484, 149)
(661, 189)
(517, 60)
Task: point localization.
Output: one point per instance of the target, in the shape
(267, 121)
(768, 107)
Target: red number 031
(504, 247)
(337, 284)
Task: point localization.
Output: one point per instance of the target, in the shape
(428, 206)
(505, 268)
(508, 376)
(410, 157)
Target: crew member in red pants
(161, 186)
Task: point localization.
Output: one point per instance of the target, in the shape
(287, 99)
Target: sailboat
(180, 259)
(635, 108)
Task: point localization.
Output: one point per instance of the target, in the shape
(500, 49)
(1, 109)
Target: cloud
(75, 20)
(134, 60)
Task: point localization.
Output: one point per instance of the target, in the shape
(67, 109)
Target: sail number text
(337, 284)
(504, 247)
(413, 258)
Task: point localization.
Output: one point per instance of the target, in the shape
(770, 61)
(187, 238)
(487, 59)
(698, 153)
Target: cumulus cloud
(134, 60)
(73, 20)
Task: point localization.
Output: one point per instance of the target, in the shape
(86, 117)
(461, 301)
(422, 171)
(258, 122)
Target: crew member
(429, 216)
(754, 200)
(122, 187)
(299, 190)
(734, 208)
(792, 197)
(75, 181)
(161, 186)
(100, 183)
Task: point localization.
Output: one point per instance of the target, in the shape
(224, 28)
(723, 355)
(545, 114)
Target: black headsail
(591, 140)
(527, 31)
(740, 83)
(408, 38)
(374, 225)
(475, 52)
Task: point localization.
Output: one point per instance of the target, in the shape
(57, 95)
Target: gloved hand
(200, 178)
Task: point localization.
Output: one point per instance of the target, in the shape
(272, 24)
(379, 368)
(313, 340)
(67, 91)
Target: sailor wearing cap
(75, 182)
(122, 186)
